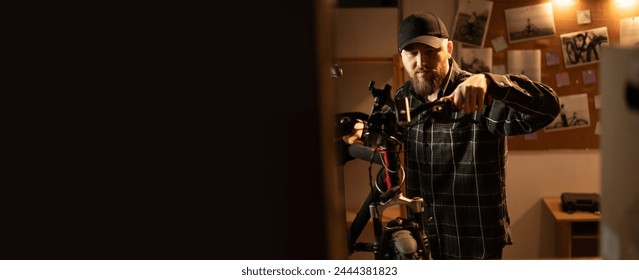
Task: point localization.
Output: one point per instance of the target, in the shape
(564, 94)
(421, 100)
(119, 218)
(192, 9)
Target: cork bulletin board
(577, 84)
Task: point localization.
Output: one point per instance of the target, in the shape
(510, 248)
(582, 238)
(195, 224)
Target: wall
(174, 176)
(531, 176)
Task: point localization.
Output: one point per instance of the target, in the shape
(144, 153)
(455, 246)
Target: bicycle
(472, 31)
(403, 238)
(584, 47)
(530, 30)
(572, 121)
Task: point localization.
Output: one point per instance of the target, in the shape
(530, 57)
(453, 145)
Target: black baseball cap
(422, 27)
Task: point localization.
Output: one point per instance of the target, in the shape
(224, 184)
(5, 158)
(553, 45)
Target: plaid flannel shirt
(459, 167)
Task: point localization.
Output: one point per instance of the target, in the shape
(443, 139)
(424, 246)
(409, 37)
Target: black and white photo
(476, 60)
(583, 47)
(530, 22)
(471, 22)
(574, 113)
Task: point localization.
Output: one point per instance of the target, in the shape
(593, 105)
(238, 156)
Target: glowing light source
(625, 3)
(564, 3)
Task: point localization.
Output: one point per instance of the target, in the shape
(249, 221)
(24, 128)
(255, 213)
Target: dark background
(167, 132)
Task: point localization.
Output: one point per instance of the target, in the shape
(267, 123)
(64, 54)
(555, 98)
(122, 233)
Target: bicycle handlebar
(387, 195)
(435, 106)
(364, 152)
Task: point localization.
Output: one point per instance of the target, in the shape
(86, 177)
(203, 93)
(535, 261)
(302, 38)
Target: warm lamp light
(564, 3)
(625, 3)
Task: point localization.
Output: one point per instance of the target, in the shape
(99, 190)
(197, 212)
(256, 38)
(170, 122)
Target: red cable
(387, 179)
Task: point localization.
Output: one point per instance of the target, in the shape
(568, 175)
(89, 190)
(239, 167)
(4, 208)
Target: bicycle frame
(414, 243)
(402, 237)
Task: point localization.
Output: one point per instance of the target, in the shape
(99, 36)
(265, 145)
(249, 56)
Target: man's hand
(470, 95)
(356, 133)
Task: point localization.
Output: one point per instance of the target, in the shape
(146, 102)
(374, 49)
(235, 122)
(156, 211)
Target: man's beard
(426, 87)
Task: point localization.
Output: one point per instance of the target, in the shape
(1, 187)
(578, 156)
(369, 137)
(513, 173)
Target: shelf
(576, 234)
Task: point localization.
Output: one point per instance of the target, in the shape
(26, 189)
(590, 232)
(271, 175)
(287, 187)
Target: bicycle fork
(406, 234)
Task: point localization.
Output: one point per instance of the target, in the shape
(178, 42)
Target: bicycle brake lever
(387, 195)
(446, 105)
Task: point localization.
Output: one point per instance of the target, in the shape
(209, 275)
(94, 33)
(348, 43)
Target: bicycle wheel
(580, 122)
(463, 30)
(403, 246)
(534, 30)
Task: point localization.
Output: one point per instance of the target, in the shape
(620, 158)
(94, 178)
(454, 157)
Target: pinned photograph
(583, 17)
(583, 47)
(552, 58)
(574, 113)
(499, 44)
(471, 22)
(525, 62)
(563, 79)
(588, 77)
(476, 60)
(530, 22)
(629, 31)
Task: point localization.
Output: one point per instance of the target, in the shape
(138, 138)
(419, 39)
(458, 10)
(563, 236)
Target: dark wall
(203, 143)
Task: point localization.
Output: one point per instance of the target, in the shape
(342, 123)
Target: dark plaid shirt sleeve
(458, 167)
(520, 105)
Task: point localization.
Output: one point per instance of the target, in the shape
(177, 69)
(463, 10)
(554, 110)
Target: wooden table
(576, 234)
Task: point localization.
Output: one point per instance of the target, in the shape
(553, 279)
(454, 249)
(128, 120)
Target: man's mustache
(423, 70)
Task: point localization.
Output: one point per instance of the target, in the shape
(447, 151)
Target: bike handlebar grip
(364, 153)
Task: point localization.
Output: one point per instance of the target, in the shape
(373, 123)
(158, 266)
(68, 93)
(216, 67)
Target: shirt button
(501, 83)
